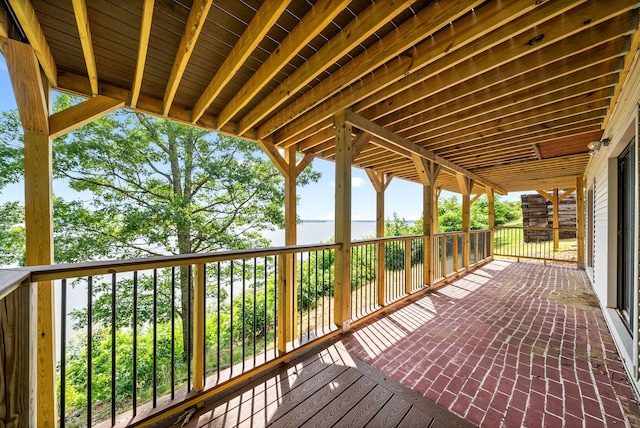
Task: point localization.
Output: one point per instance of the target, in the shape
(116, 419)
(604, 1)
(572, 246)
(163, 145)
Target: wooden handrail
(74, 270)
(10, 279)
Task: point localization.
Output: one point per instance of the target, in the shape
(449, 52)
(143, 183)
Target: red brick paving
(508, 345)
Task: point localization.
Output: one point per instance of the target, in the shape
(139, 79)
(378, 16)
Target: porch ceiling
(511, 90)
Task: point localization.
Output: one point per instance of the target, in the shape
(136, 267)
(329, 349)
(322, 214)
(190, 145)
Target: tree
(157, 187)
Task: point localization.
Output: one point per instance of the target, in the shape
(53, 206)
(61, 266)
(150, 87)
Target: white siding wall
(598, 173)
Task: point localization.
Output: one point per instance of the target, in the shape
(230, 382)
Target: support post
(580, 223)
(291, 238)
(342, 285)
(466, 184)
(32, 98)
(556, 220)
(380, 183)
(492, 218)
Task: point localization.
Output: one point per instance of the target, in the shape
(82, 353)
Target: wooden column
(380, 183)
(580, 223)
(428, 172)
(32, 98)
(492, 217)
(466, 184)
(342, 284)
(556, 220)
(290, 168)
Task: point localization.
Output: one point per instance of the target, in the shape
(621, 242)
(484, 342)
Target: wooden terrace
(471, 96)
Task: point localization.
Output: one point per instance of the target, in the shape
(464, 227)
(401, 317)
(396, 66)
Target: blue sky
(316, 200)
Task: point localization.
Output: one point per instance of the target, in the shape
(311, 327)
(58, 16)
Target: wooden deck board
(324, 387)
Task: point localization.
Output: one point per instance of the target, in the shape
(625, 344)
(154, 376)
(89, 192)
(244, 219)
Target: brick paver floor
(508, 345)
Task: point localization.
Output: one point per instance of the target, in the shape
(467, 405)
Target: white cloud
(412, 217)
(357, 182)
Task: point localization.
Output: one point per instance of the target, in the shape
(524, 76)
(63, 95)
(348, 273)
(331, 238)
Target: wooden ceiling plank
(30, 24)
(320, 15)
(520, 124)
(464, 32)
(80, 114)
(427, 21)
(366, 125)
(143, 46)
(600, 42)
(635, 46)
(368, 22)
(79, 85)
(483, 107)
(195, 21)
(260, 24)
(603, 23)
(518, 140)
(84, 31)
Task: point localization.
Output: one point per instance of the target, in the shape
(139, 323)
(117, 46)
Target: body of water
(315, 232)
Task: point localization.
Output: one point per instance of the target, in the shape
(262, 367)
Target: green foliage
(12, 237)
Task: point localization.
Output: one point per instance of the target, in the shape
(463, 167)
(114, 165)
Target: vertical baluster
(275, 307)
(316, 288)
(63, 353)
(89, 347)
(255, 308)
(243, 314)
(308, 295)
(231, 320)
(218, 323)
(266, 286)
(113, 349)
(155, 337)
(189, 328)
(134, 375)
(173, 332)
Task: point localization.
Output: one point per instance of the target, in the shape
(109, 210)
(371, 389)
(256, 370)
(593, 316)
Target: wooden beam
(580, 221)
(492, 217)
(475, 198)
(84, 31)
(195, 21)
(466, 33)
(4, 23)
(566, 192)
(304, 162)
(260, 24)
(545, 194)
(30, 24)
(27, 86)
(575, 37)
(320, 15)
(536, 149)
(274, 155)
(80, 114)
(556, 220)
(199, 317)
(376, 178)
(423, 24)
(395, 140)
(143, 45)
(368, 22)
(32, 100)
(342, 282)
(290, 238)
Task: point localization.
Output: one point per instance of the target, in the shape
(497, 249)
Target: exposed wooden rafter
(29, 22)
(354, 33)
(261, 23)
(143, 47)
(82, 20)
(197, 18)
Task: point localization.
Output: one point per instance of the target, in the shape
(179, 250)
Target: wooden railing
(448, 251)
(536, 243)
(138, 337)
